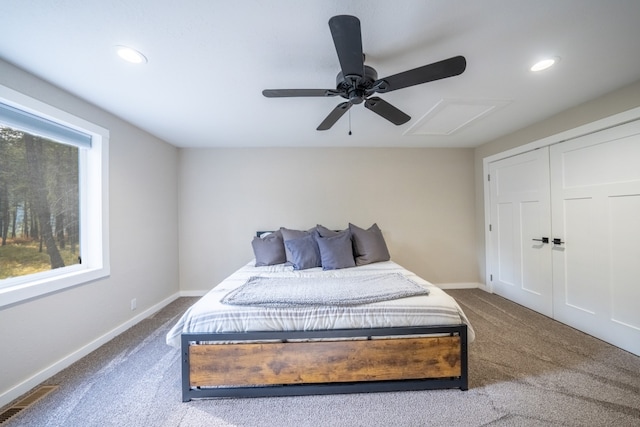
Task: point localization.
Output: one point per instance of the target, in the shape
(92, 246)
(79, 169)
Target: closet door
(595, 195)
(520, 264)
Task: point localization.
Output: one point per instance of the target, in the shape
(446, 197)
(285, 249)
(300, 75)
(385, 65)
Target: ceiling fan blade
(386, 110)
(334, 115)
(347, 38)
(427, 73)
(286, 93)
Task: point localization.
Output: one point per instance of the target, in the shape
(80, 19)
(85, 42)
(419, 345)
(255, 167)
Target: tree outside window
(39, 204)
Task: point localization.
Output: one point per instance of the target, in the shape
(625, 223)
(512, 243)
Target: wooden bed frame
(323, 362)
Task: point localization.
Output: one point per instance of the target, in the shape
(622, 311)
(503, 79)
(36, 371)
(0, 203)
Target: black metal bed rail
(460, 382)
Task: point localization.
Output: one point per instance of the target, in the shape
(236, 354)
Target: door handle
(543, 240)
(557, 241)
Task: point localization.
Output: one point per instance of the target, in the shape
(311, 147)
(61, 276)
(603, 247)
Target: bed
(365, 341)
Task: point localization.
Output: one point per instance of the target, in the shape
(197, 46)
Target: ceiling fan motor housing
(354, 88)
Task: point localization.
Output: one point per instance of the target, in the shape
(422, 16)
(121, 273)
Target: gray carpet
(525, 370)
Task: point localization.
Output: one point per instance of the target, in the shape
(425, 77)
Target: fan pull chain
(349, 121)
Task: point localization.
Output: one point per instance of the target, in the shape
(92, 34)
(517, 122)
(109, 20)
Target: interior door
(595, 190)
(520, 265)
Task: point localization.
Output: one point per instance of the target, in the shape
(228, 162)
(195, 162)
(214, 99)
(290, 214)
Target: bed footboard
(323, 362)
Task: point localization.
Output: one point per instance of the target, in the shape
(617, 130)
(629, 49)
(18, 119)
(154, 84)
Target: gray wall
(422, 199)
(38, 333)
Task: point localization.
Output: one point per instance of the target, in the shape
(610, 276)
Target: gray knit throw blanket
(327, 291)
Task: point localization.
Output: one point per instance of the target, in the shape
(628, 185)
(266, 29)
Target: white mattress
(209, 315)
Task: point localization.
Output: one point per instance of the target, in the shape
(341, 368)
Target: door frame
(577, 132)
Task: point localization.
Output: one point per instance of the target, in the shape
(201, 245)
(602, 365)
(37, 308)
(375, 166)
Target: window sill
(26, 290)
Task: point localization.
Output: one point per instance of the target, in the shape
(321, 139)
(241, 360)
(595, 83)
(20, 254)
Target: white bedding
(209, 315)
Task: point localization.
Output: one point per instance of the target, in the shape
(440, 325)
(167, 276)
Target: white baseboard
(485, 288)
(32, 382)
(192, 293)
(459, 285)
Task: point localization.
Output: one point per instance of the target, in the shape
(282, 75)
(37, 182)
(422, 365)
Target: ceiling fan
(357, 82)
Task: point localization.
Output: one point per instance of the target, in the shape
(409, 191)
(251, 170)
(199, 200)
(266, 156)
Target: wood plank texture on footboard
(324, 361)
(276, 363)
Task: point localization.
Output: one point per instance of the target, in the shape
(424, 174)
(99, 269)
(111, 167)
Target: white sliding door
(520, 219)
(595, 199)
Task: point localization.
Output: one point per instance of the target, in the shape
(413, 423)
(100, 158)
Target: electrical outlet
(134, 304)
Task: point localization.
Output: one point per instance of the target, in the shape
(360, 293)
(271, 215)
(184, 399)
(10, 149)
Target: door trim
(596, 126)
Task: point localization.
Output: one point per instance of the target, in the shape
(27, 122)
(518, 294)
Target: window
(53, 199)
(39, 203)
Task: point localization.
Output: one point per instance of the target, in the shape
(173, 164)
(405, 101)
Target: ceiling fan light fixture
(544, 64)
(131, 55)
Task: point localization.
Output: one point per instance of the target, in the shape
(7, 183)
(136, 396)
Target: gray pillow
(288, 234)
(368, 245)
(304, 252)
(269, 250)
(336, 251)
(325, 232)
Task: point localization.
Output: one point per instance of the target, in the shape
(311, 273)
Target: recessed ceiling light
(130, 55)
(544, 64)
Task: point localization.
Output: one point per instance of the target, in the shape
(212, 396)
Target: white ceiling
(208, 61)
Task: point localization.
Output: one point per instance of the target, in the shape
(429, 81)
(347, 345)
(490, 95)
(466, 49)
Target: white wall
(37, 336)
(422, 199)
(607, 105)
